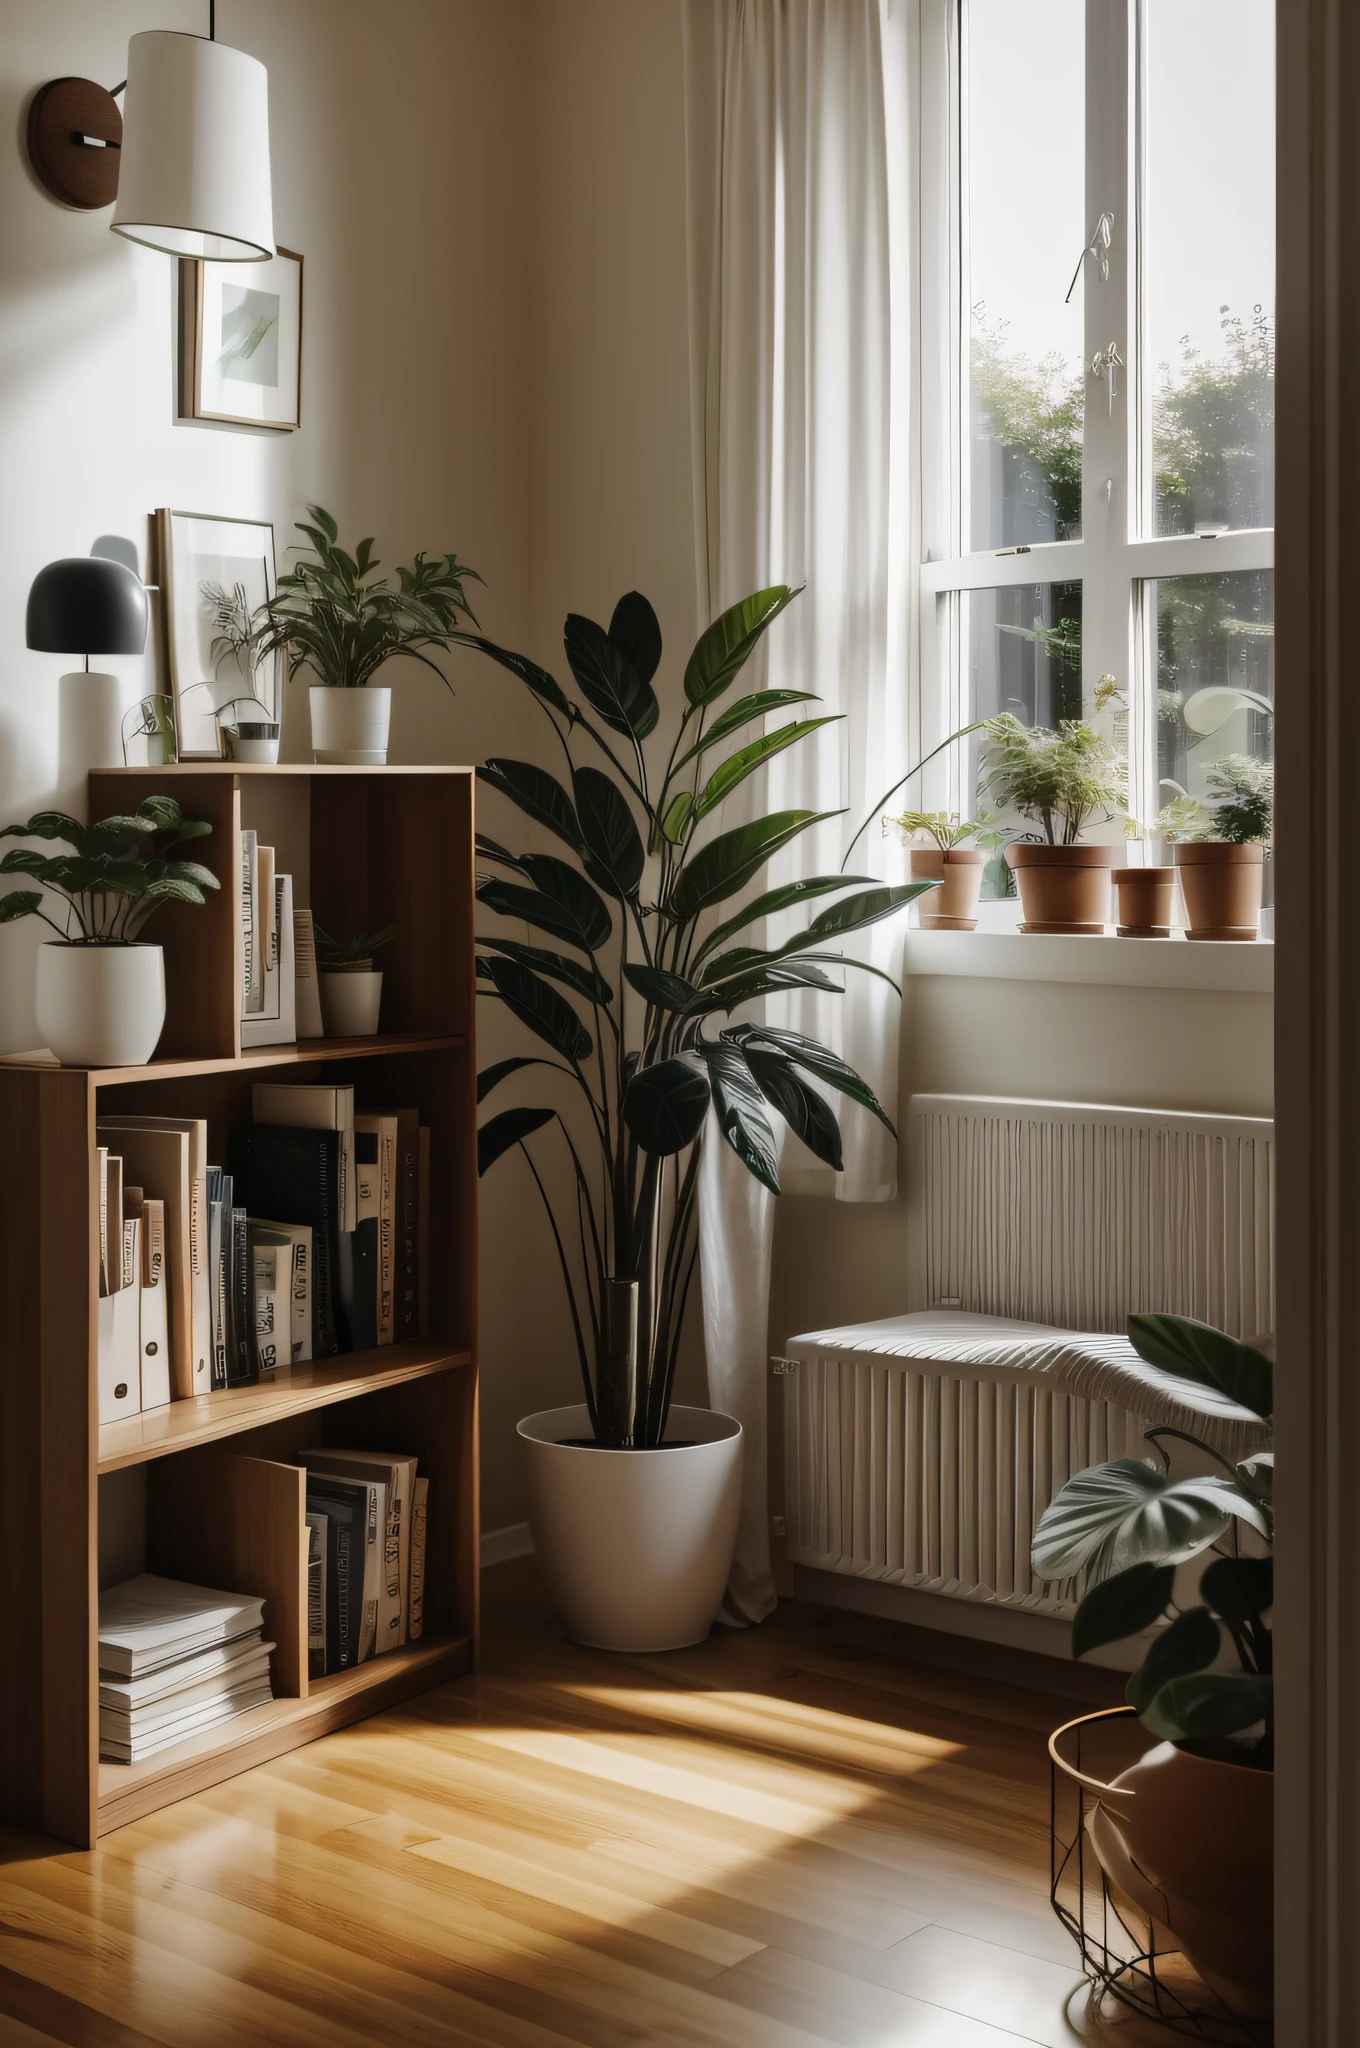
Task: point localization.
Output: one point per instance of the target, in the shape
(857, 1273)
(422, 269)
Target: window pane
(1215, 676)
(1022, 647)
(1208, 258)
(1025, 206)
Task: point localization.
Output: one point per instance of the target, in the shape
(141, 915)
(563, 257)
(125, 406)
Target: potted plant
(244, 720)
(335, 615)
(101, 989)
(1063, 779)
(1221, 857)
(642, 952)
(1186, 1831)
(957, 868)
(349, 985)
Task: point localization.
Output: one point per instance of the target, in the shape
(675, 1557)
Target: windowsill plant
(1220, 848)
(1062, 779)
(939, 853)
(101, 987)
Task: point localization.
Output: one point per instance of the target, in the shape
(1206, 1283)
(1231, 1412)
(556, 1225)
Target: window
(1098, 380)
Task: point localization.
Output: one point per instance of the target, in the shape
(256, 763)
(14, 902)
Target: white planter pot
(101, 1006)
(350, 1003)
(256, 743)
(349, 727)
(635, 1546)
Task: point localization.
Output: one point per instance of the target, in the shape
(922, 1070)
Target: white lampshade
(194, 178)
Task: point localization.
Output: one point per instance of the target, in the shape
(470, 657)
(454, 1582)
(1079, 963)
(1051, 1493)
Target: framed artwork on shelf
(240, 342)
(215, 574)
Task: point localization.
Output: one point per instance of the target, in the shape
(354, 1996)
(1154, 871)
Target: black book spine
(293, 1174)
(344, 1592)
(242, 1368)
(408, 1277)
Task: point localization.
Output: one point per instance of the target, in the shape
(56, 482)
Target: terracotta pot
(954, 907)
(1221, 888)
(1200, 1832)
(1063, 888)
(1144, 902)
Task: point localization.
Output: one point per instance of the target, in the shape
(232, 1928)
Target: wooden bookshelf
(221, 1493)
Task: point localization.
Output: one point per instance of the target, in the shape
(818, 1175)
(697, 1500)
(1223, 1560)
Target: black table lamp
(88, 605)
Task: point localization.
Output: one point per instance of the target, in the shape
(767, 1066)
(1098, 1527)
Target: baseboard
(987, 1624)
(500, 1545)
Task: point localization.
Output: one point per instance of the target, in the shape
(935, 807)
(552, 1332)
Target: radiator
(1046, 1212)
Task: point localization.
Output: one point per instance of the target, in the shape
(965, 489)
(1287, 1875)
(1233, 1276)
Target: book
(121, 1714)
(382, 1126)
(227, 1663)
(420, 1516)
(271, 1253)
(291, 1174)
(118, 1328)
(307, 989)
(242, 1371)
(367, 1497)
(362, 1302)
(344, 1509)
(134, 1751)
(187, 1231)
(297, 1237)
(219, 1220)
(397, 1474)
(154, 1307)
(252, 990)
(276, 1023)
(266, 913)
(113, 1222)
(406, 1213)
(423, 1236)
(316, 1593)
(314, 1105)
(149, 1622)
(102, 1197)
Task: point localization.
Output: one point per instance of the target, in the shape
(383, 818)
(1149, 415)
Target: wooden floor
(829, 1829)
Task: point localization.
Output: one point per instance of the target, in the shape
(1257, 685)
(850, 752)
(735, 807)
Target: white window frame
(1116, 560)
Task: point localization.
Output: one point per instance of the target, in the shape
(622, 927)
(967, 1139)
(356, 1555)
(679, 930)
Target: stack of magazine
(366, 1522)
(175, 1659)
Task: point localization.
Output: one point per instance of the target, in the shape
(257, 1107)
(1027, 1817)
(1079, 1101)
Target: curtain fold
(801, 161)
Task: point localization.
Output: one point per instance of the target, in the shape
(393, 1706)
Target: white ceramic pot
(635, 1546)
(349, 727)
(259, 743)
(101, 1006)
(350, 1002)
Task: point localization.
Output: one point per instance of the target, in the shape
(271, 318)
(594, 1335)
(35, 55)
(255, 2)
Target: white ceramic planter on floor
(635, 1546)
(101, 1006)
(349, 727)
(350, 1003)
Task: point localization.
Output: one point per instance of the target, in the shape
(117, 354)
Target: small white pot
(350, 1002)
(349, 727)
(101, 1006)
(635, 1546)
(254, 743)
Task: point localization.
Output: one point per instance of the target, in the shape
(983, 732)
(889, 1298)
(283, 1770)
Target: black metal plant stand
(1119, 1944)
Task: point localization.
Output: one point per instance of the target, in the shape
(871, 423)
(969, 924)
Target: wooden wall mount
(60, 114)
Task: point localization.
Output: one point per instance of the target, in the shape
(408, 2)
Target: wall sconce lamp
(188, 157)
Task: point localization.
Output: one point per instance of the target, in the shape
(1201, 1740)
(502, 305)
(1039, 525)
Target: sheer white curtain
(801, 139)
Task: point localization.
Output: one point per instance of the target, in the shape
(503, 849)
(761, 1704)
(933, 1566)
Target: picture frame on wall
(240, 342)
(215, 573)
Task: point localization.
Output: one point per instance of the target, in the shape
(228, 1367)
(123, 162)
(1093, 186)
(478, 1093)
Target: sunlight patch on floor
(828, 1736)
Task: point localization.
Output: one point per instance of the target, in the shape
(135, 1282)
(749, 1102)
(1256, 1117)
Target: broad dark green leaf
(19, 903)
(529, 673)
(608, 679)
(567, 887)
(636, 632)
(786, 897)
(170, 892)
(573, 974)
(531, 906)
(505, 1130)
(759, 705)
(666, 1104)
(23, 860)
(731, 860)
(815, 1059)
(1241, 1589)
(491, 1077)
(1196, 1351)
(722, 651)
(665, 991)
(491, 849)
(677, 816)
(535, 791)
(538, 1006)
(741, 1112)
(1122, 1606)
(162, 812)
(1191, 1643)
(609, 829)
(1209, 1703)
(732, 772)
(801, 1107)
(47, 825)
(1124, 1513)
(857, 913)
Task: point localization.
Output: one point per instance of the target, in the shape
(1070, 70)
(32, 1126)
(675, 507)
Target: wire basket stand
(1127, 1957)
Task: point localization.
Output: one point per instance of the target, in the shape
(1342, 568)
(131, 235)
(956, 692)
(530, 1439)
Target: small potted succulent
(1221, 857)
(1062, 778)
(350, 985)
(948, 861)
(101, 988)
(336, 616)
(246, 723)
(1186, 1831)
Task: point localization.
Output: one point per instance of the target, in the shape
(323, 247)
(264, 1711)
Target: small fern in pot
(1062, 779)
(1220, 848)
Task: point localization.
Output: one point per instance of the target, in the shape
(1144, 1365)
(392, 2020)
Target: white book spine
(307, 986)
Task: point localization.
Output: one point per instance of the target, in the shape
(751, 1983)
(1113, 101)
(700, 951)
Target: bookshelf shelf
(209, 1489)
(127, 1791)
(158, 1432)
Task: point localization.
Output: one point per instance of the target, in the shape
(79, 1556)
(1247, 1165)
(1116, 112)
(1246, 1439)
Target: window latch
(1104, 364)
(1099, 247)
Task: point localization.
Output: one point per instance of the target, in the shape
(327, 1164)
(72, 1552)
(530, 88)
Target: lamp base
(89, 732)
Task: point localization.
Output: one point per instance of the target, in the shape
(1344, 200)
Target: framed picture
(240, 342)
(215, 574)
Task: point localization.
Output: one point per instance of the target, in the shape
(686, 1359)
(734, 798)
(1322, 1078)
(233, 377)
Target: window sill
(1113, 962)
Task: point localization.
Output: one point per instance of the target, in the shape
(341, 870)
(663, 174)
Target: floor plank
(829, 1829)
